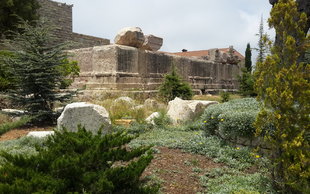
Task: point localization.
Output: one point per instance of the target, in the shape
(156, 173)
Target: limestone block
(152, 43)
(183, 110)
(91, 116)
(40, 134)
(150, 119)
(130, 36)
(125, 99)
(151, 103)
(13, 112)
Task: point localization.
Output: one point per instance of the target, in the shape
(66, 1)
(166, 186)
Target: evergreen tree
(283, 85)
(262, 43)
(78, 162)
(11, 11)
(173, 86)
(39, 70)
(248, 58)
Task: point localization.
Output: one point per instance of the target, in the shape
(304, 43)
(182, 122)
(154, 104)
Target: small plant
(173, 86)
(225, 96)
(78, 163)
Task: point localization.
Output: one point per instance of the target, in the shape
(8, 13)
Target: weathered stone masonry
(117, 67)
(60, 15)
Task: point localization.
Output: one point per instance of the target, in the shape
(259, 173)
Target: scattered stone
(130, 36)
(124, 122)
(183, 110)
(151, 118)
(138, 107)
(40, 134)
(13, 112)
(59, 109)
(125, 99)
(151, 103)
(152, 43)
(91, 116)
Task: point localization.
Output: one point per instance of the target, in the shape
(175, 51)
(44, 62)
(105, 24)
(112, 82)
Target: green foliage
(163, 120)
(232, 119)
(246, 81)
(235, 182)
(225, 96)
(248, 58)
(263, 43)
(283, 85)
(78, 162)
(11, 11)
(6, 75)
(5, 127)
(173, 86)
(40, 68)
(68, 69)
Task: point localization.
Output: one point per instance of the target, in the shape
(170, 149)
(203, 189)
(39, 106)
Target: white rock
(91, 116)
(125, 99)
(130, 36)
(40, 134)
(151, 118)
(13, 111)
(152, 43)
(183, 110)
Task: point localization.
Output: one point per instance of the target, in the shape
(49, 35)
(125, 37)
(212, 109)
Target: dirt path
(179, 171)
(17, 133)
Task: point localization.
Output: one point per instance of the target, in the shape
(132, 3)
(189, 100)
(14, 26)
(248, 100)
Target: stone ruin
(134, 63)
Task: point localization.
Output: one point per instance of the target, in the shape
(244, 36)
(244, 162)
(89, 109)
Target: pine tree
(282, 83)
(38, 67)
(248, 58)
(11, 11)
(78, 162)
(173, 86)
(262, 43)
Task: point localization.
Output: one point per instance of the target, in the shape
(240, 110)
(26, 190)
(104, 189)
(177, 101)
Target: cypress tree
(282, 83)
(248, 58)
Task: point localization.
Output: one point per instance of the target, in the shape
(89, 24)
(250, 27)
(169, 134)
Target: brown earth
(176, 170)
(17, 133)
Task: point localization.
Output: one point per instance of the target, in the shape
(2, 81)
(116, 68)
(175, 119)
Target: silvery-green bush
(232, 119)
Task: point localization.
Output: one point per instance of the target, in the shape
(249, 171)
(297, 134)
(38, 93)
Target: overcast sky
(183, 24)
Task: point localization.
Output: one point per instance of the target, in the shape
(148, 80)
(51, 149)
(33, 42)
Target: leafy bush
(246, 81)
(232, 119)
(173, 86)
(78, 162)
(225, 96)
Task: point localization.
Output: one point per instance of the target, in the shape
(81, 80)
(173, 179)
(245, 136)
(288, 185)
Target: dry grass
(215, 97)
(5, 119)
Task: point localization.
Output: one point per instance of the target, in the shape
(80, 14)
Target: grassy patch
(5, 127)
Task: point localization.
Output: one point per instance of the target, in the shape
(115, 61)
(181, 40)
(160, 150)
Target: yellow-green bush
(282, 83)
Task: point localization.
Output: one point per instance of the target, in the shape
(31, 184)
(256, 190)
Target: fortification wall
(60, 15)
(117, 67)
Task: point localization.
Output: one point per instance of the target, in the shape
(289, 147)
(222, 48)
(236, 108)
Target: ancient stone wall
(119, 67)
(60, 15)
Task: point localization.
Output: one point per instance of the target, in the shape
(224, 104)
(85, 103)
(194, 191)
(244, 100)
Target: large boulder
(91, 116)
(183, 110)
(152, 43)
(130, 36)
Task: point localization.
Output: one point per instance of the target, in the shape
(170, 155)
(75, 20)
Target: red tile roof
(202, 53)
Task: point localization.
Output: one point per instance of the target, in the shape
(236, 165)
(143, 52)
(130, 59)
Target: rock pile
(134, 37)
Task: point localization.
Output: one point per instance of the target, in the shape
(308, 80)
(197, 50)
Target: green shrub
(225, 96)
(78, 162)
(232, 119)
(173, 86)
